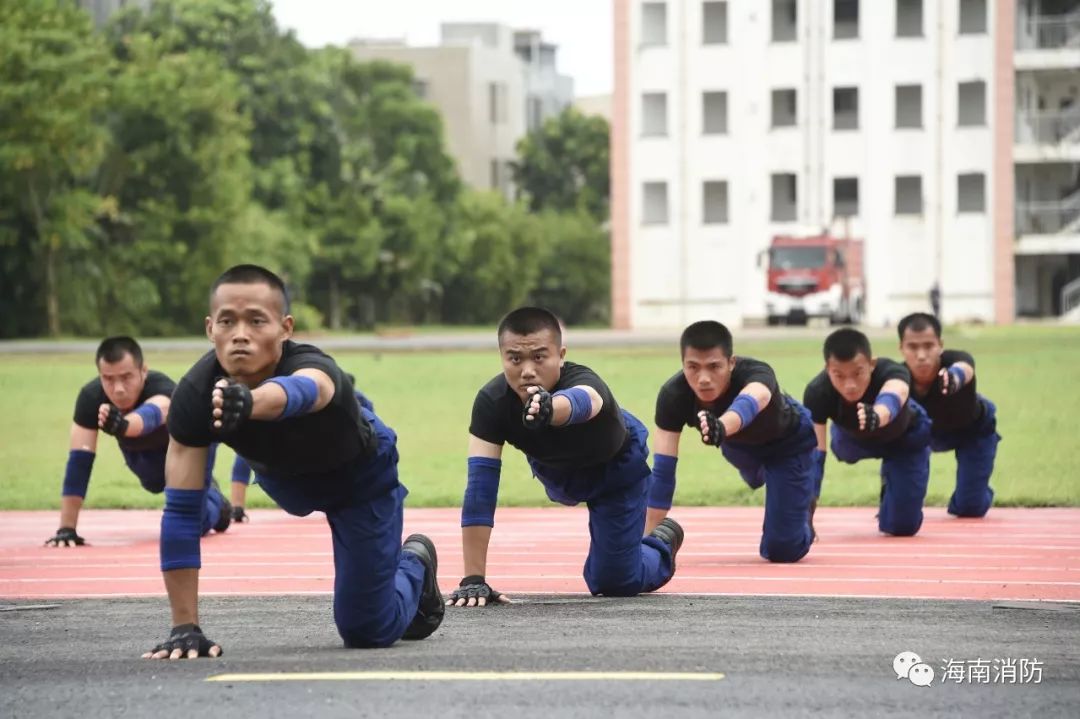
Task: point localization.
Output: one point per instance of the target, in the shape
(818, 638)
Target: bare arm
(185, 468)
(664, 442)
(822, 436)
(135, 421)
(268, 399)
(763, 395)
(560, 406)
(894, 386)
(475, 539)
(83, 439)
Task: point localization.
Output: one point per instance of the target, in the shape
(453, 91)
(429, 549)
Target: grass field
(1031, 372)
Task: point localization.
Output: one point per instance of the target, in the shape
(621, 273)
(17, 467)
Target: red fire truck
(818, 276)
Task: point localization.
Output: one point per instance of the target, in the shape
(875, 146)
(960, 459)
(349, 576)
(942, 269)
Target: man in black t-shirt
(129, 401)
(736, 405)
(580, 445)
(873, 416)
(241, 470)
(290, 412)
(964, 421)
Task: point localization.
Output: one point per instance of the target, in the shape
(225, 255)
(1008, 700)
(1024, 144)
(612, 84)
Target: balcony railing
(1050, 32)
(1048, 218)
(1049, 128)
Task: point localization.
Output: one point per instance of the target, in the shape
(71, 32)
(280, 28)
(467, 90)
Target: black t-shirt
(959, 411)
(314, 443)
(496, 418)
(825, 403)
(677, 405)
(92, 396)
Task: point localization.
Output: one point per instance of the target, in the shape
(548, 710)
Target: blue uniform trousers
(786, 468)
(149, 467)
(976, 449)
(905, 471)
(377, 587)
(621, 563)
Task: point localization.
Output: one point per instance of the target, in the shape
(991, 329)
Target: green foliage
(575, 272)
(138, 162)
(493, 259)
(565, 165)
(54, 80)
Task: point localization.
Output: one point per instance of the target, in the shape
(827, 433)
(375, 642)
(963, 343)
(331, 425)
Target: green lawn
(1032, 374)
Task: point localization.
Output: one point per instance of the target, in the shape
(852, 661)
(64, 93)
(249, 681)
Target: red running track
(1014, 554)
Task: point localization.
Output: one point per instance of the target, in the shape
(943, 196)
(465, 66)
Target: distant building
(547, 92)
(486, 81)
(599, 105)
(946, 133)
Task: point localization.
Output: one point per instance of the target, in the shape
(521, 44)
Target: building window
(785, 20)
(654, 23)
(497, 102)
(845, 103)
(714, 113)
(420, 88)
(534, 112)
(845, 19)
(714, 23)
(972, 17)
(655, 207)
(845, 191)
(501, 177)
(909, 195)
(654, 114)
(785, 204)
(971, 104)
(909, 18)
(971, 193)
(784, 108)
(908, 106)
(714, 202)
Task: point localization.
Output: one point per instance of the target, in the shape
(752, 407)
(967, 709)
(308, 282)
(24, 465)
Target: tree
(54, 81)
(176, 181)
(564, 166)
(494, 260)
(574, 280)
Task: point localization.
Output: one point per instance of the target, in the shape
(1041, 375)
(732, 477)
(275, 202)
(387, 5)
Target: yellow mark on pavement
(421, 676)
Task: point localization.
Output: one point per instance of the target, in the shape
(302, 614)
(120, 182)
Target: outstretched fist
(951, 382)
(231, 402)
(111, 420)
(868, 418)
(713, 432)
(538, 409)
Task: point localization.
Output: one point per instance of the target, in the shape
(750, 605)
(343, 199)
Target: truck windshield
(796, 258)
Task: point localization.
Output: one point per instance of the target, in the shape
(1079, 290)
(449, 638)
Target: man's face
(850, 378)
(248, 328)
(708, 372)
(922, 353)
(531, 360)
(123, 381)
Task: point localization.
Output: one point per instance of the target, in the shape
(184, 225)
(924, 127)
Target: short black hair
(707, 335)
(252, 275)
(113, 349)
(917, 322)
(845, 343)
(530, 320)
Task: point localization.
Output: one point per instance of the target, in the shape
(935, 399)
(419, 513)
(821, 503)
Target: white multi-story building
(737, 121)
